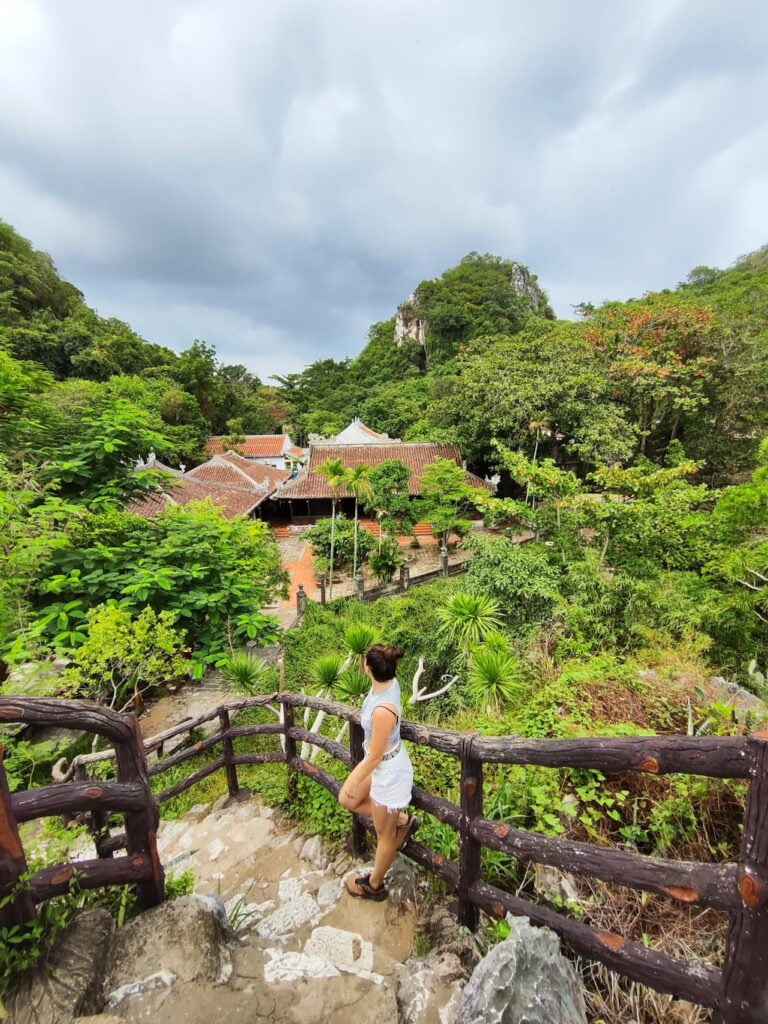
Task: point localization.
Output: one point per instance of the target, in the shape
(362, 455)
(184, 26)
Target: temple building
(239, 486)
(308, 496)
(276, 450)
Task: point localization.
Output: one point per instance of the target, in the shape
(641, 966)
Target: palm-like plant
(326, 672)
(335, 473)
(494, 679)
(359, 639)
(468, 618)
(358, 485)
(245, 673)
(352, 686)
(325, 675)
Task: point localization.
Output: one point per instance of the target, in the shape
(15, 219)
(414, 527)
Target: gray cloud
(273, 177)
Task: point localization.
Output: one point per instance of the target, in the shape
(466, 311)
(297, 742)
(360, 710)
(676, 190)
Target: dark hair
(382, 661)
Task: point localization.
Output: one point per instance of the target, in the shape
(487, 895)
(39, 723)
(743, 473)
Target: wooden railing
(738, 992)
(130, 793)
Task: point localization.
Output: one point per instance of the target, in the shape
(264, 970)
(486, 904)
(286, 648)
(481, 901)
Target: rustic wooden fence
(130, 793)
(738, 992)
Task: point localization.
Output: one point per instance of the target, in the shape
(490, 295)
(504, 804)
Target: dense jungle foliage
(632, 453)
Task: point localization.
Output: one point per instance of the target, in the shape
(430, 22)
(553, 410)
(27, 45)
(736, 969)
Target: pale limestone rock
(152, 983)
(524, 978)
(312, 851)
(289, 917)
(243, 916)
(429, 990)
(293, 967)
(216, 849)
(290, 889)
(328, 894)
(186, 938)
(555, 885)
(345, 950)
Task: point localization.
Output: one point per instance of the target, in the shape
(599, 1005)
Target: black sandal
(368, 893)
(411, 826)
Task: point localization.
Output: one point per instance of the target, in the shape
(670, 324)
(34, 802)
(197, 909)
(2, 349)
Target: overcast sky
(274, 175)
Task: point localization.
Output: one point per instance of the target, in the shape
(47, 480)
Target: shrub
(385, 561)
(125, 655)
(319, 537)
(467, 618)
(519, 577)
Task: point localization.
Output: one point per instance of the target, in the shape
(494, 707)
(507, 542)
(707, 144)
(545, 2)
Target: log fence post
(744, 992)
(359, 835)
(470, 850)
(13, 863)
(141, 826)
(290, 751)
(99, 827)
(229, 753)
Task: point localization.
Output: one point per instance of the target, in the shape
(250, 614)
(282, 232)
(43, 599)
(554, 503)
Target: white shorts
(392, 782)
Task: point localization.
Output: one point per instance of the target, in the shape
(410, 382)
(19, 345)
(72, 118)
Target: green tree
(389, 496)
(100, 465)
(386, 560)
(335, 474)
(519, 578)
(546, 375)
(214, 574)
(655, 354)
(358, 481)
(319, 538)
(445, 499)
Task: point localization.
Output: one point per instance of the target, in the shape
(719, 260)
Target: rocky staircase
(269, 935)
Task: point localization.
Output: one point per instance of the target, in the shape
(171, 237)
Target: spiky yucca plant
(352, 686)
(495, 679)
(245, 673)
(467, 619)
(359, 639)
(326, 672)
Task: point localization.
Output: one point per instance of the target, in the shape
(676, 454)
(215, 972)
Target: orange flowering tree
(656, 357)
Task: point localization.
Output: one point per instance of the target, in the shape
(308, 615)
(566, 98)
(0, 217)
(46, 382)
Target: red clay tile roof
(232, 470)
(259, 472)
(369, 432)
(184, 489)
(255, 446)
(417, 456)
(297, 453)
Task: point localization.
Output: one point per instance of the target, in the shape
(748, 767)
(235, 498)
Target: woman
(380, 786)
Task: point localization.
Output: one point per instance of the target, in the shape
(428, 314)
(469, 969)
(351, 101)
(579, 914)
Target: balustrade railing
(738, 992)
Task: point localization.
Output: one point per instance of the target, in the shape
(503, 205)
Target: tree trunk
(354, 556)
(333, 543)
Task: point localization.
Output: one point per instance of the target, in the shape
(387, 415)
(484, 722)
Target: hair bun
(393, 652)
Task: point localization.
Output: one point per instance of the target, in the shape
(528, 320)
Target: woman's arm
(381, 722)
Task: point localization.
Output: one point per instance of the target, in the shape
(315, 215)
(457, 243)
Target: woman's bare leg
(362, 802)
(386, 847)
